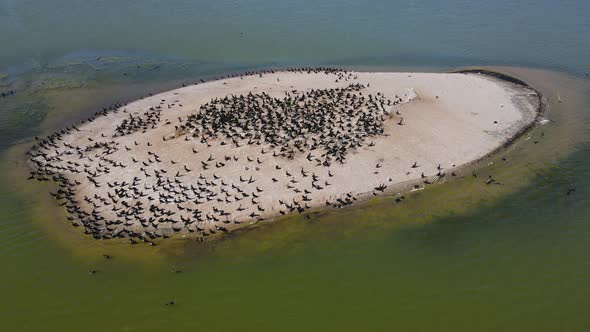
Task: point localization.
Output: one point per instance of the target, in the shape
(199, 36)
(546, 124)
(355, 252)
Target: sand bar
(215, 156)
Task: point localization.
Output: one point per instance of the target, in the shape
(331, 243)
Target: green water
(460, 256)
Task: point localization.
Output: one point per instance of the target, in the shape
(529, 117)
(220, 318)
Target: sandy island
(218, 155)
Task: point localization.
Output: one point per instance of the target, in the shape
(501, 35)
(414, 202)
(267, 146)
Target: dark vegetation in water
(18, 116)
(24, 90)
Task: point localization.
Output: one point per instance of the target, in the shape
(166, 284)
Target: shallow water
(460, 256)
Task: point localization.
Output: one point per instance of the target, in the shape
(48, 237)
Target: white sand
(448, 119)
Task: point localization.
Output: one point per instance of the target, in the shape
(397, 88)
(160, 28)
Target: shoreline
(541, 110)
(362, 195)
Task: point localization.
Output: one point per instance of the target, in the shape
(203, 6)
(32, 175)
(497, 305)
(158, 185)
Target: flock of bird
(332, 121)
(5, 94)
(234, 149)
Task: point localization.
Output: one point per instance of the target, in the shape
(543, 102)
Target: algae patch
(19, 117)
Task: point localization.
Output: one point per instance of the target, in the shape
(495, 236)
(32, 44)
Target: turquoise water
(457, 257)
